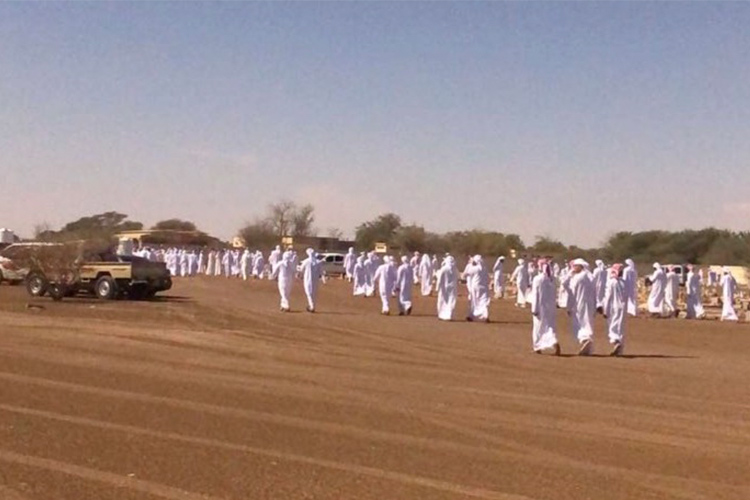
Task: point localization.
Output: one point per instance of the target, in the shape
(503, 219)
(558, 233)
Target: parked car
(332, 264)
(10, 256)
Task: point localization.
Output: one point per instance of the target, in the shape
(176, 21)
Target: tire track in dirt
(377, 473)
(115, 480)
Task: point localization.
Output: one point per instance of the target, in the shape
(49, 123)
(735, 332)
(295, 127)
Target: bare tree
(302, 220)
(281, 217)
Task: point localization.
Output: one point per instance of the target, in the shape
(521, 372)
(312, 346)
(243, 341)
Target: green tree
(174, 225)
(382, 229)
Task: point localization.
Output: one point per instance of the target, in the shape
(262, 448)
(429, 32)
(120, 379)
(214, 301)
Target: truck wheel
(36, 285)
(105, 288)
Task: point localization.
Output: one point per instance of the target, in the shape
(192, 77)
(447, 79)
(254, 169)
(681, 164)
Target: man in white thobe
(283, 272)
(218, 262)
(498, 278)
(184, 270)
(385, 277)
(192, 263)
(201, 262)
(425, 275)
(582, 306)
(694, 295)
(245, 265)
(728, 289)
(414, 263)
(478, 282)
(671, 292)
(350, 260)
(359, 276)
(273, 258)
(210, 263)
(600, 282)
(404, 286)
(543, 311)
(630, 281)
(447, 289)
(563, 297)
(310, 268)
(615, 307)
(370, 268)
(656, 297)
(521, 278)
(259, 265)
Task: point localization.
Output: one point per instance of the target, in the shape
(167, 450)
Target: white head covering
(580, 262)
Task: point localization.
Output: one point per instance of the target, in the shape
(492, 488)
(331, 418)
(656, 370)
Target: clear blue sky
(571, 120)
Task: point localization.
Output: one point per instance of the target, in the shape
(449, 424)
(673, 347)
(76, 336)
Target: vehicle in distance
(13, 259)
(107, 276)
(332, 264)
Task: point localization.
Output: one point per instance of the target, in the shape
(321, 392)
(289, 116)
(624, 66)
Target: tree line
(286, 218)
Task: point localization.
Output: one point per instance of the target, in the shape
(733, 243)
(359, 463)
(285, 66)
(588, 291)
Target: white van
(332, 264)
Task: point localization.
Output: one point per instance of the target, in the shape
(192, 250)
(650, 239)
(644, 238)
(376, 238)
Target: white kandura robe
(311, 270)
(360, 278)
(563, 297)
(404, 285)
(385, 277)
(350, 260)
(245, 265)
(370, 269)
(478, 280)
(210, 265)
(582, 305)
(414, 263)
(425, 275)
(600, 283)
(728, 289)
(447, 289)
(259, 266)
(521, 277)
(283, 271)
(201, 263)
(671, 292)
(498, 279)
(217, 263)
(630, 281)
(184, 270)
(656, 297)
(544, 313)
(615, 307)
(693, 297)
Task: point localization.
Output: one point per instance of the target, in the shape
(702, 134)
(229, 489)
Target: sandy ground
(212, 393)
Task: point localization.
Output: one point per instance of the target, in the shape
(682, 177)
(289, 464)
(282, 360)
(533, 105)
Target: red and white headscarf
(544, 267)
(614, 271)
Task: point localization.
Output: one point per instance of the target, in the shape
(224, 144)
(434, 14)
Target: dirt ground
(210, 392)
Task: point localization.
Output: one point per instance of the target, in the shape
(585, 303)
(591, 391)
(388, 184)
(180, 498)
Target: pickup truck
(107, 276)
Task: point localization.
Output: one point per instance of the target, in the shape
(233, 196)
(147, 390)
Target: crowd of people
(542, 285)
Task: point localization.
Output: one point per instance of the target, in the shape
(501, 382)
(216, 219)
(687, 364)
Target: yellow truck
(107, 276)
